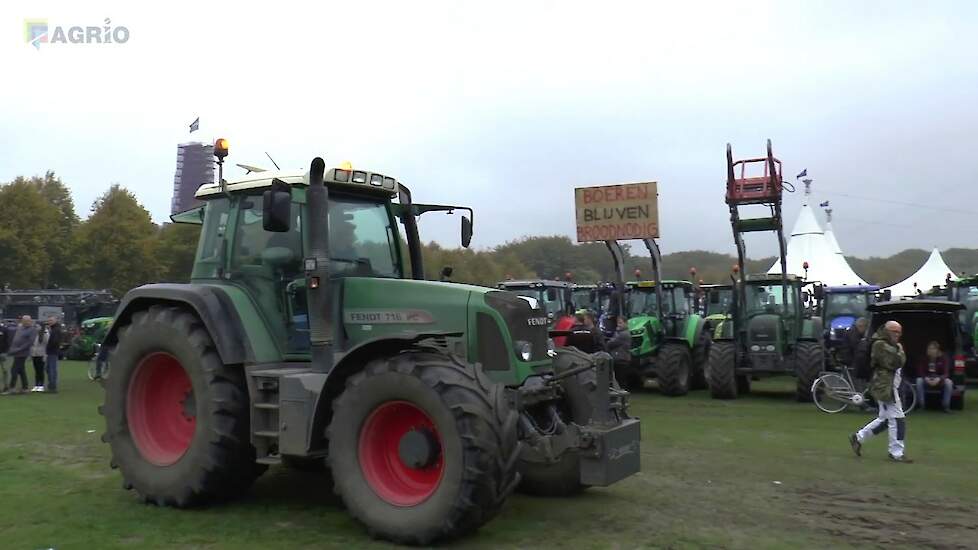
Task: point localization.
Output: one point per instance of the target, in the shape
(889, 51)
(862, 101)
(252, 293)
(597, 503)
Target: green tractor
(585, 297)
(304, 337)
(91, 332)
(769, 330)
(669, 341)
(715, 304)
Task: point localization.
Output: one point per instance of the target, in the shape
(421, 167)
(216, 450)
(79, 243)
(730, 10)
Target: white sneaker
(37, 389)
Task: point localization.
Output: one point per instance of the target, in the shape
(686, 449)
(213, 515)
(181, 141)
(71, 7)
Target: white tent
(934, 272)
(807, 243)
(837, 250)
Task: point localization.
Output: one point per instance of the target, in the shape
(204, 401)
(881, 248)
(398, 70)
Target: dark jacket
(847, 353)
(55, 338)
(940, 367)
(5, 336)
(886, 359)
(23, 340)
(619, 344)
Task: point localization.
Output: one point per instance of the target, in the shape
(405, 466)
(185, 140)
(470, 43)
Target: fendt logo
(38, 31)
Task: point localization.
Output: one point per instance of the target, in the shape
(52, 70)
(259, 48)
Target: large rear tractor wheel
(701, 356)
(809, 365)
(673, 369)
(422, 447)
(177, 419)
(721, 369)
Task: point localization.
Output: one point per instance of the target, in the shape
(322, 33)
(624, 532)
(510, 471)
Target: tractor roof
(355, 181)
(651, 284)
(717, 287)
(916, 305)
(771, 278)
(534, 283)
(853, 289)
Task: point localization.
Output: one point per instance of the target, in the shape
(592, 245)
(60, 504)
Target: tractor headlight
(770, 347)
(524, 350)
(755, 347)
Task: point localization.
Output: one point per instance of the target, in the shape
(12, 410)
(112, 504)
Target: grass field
(759, 472)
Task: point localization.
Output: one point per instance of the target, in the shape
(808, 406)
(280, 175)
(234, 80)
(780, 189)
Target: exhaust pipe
(318, 291)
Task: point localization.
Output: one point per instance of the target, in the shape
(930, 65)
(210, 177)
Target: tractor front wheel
(177, 418)
(809, 365)
(721, 371)
(701, 356)
(673, 368)
(422, 447)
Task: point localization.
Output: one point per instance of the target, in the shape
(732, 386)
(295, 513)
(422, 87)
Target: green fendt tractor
(668, 340)
(769, 330)
(303, 336)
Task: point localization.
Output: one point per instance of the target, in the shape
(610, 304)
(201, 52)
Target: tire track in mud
(858, 516)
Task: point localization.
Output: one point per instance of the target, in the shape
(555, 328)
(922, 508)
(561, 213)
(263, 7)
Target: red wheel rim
(160, 409)
(381, 461)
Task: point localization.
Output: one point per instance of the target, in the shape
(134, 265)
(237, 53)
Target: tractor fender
(695, 325)
(352, 362)
(210, 303)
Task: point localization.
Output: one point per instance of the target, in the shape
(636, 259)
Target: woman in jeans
(38, 354)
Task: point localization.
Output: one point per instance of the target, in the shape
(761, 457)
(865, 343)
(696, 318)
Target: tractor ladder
(763, 190)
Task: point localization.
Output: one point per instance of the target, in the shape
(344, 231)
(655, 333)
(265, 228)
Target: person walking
(886, 359)
(53, 349)
(5, 336)
(38, 351)
(20, 350)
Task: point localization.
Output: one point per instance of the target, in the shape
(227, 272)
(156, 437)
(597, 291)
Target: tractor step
(266, 433)
(280, 401)
(271, 460)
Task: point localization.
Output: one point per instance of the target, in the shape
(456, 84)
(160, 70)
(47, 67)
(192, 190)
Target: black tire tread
(701, 356)
(721, 376)
(810, 363)
(228, 467)
(480, 407)
(668, 368)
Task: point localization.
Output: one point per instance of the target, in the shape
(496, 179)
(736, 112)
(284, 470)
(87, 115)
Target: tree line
(44, 244)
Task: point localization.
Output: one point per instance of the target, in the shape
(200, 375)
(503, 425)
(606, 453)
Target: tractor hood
(764, 329)
(842, 322)
(504, 332)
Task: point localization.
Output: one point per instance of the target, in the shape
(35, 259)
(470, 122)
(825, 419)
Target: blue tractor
(842, 305)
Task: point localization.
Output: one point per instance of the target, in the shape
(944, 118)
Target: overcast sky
(509, 106)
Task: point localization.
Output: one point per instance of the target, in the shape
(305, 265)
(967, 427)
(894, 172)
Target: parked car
(923, 321)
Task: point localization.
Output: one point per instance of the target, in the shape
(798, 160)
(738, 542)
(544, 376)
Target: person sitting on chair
(932, 372)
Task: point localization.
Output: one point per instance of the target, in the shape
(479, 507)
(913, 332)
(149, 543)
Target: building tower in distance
(195, 167)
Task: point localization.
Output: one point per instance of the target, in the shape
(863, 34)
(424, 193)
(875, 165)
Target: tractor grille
(523, 322)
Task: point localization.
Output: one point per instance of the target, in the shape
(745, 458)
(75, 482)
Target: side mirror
(593, 296)
(887, 295)
(805, 296)
(819, 292)
(551, 294)
(446, 272)
(277, 207)
(466, 231)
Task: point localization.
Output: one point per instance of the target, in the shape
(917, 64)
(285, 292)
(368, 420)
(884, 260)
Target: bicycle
(834, 392)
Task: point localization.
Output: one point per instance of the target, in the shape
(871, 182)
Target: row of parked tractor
(309, 337)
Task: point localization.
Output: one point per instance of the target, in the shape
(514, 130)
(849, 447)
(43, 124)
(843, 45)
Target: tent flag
(824, 204)
(195, 125)
(802, 174)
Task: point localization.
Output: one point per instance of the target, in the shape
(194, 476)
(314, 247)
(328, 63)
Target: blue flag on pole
(802, 174)
(824, 204)
(195, 125)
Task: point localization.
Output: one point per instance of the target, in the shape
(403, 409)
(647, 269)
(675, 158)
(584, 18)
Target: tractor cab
(717, 301)
(842, 305)
(644, 311)
(556, 297)
(585, 297)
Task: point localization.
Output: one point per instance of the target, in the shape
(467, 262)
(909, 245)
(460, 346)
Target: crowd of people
(41, 343)
(586, 335)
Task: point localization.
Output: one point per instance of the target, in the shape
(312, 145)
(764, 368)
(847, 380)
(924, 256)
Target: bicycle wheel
(908, 397)
(832, 393)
